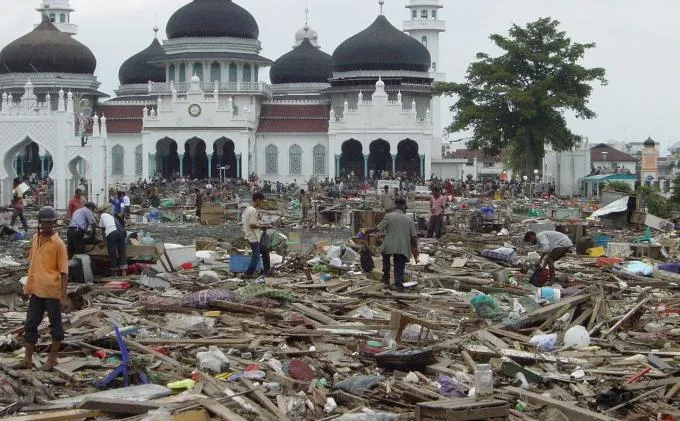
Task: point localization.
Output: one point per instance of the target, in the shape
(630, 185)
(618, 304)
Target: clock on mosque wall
(194, 110)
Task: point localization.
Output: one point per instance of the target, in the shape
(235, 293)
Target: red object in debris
(195, 376)
(101, 354)
(608, 261)
(253, 367)
(300, 370)
(117, 285)
(639, 375)
(186, 266)
(161, 350)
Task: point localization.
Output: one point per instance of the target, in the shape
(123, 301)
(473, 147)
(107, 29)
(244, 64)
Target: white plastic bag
(213, 361)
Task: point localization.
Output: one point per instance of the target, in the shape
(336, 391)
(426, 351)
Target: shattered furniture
(466, 409)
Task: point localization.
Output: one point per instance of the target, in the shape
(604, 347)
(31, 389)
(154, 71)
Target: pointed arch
(117, 160)
(319, 153)
(271, 160)
(352, 158)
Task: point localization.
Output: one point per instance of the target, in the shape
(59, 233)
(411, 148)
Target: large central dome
(305, 64)
(47, 50)
(381, 46)
(212, 18)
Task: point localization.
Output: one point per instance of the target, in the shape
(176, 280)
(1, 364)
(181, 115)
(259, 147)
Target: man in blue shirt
(81, 221)
(117, 205)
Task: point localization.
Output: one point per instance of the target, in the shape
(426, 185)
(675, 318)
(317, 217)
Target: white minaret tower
(59, 12)
(425, 25)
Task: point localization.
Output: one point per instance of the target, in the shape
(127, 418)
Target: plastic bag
(160, 414)
(375, 416)
(544, 342)
(486, 307)
(358, 384)
(453, 388)
(213, 361)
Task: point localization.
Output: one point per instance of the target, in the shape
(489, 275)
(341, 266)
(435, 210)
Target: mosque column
(43, 158)
(210, 157)
(422, 166)
(394, 165)
(181, 165)
(239, 166)
(337, 166)
(365, 166)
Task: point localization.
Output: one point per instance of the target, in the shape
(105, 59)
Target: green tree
(675, 188)
(656, 204)
(618, 186)
(516, 102)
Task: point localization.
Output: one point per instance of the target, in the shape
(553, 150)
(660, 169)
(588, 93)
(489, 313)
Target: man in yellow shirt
(45, 287)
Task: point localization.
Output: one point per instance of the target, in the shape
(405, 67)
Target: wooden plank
(195, 415)
(118, 406)
(627, 316)
(244, 308)
(547, 311)
(264, 400)
(524, 356)
(220, 410)
(651, 384)
(198, 341)
(508, 334)
(66, 415)
(131, 344)
(671, 393)
(314, 314)
(484, 335)
(572, 411)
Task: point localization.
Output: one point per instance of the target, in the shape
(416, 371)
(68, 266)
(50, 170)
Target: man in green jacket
(400, 243)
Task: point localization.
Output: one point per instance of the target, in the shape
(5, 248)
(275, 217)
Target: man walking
(399, 244)
(81, 221)
(46, 287)
(437, 204)
(75, 203)
(305, 203)
(552, 245)
(387, 200)
(252, 229)
(18, 205)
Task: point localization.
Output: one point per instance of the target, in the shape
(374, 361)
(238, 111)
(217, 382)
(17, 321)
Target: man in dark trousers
(82, 220)
(253, 231)
(552, 245)
(46, 287)
(18, 205)
(399, 244)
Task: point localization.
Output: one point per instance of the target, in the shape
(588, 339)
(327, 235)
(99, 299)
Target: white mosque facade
(194, 105)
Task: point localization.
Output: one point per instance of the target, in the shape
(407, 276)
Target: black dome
(137, 69)
(47, 50)
(649, 142)
(381, 46)
(212, 18)
(305, 64)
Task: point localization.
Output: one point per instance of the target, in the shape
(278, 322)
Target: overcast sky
(637, 42)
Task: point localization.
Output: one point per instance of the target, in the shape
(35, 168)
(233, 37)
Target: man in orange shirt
(45, 287)
(75, 203)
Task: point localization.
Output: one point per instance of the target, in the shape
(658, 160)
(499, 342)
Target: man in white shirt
(125, 207)
(252, 229)
(116, 240)
(552, 245)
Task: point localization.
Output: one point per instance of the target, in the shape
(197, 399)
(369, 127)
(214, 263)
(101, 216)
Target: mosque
(194, 105)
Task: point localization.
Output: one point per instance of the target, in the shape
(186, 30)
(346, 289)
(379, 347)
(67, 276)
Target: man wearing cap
(81, 221)
(552, 245)
(46, 287)
(399, 244)
(253, 229)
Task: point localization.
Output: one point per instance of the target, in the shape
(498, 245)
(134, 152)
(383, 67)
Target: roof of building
(122, 118)
(307, 32)
(613, 155)
(47, 50)
(137, 68)
(294, 118)
(212, 18)
(617, 176)
(305, 64)
(381, 46)
(649, 142)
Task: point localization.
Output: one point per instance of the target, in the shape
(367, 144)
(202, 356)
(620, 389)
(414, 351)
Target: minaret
(59, 13)
(425, 25)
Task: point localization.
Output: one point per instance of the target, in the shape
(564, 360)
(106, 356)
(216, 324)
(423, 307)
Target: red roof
(613, 155)
(293, 118)
(122, 118)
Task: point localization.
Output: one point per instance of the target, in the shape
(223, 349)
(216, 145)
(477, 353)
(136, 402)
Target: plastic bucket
(601, 240)
(239, 264)
(548, 293)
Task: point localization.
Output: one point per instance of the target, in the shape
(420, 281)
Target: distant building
(460, 163)
(649, 173)
(606, 160)
(566, 168)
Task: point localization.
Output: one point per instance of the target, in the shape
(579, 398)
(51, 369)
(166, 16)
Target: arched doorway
(408, 159)
(167, 158)
(195, 161)
(379, 158)
(31, 163)
(79, 170)
(224, 155)
(352, 158)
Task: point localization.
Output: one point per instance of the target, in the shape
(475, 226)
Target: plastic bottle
(147, 240)
(548, 293)
(483, 382)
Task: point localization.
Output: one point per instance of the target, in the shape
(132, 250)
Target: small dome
(381, 46)
(305, 64)
(212, 18)
(649, 143)
(307, 32)
(137, 69)
(47, 50)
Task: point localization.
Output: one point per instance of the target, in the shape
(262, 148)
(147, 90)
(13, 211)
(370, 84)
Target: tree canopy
(516, 102)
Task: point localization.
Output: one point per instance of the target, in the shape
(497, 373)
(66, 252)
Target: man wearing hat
(81, 221)
(400, 242)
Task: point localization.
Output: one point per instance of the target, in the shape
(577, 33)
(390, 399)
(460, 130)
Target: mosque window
(117, 160)
(215, 72)
(434, 14)
(414, 14)
(246, 72)
(138, 161)
(423, 14)
(424, 39)
(434, 66)
(182, 72)
(233, 72)
(319, 153)
(295, 160)
(197, 70)
(271, 160)
(171, 73)
(62, 18)
(256, 73)
(53, 18)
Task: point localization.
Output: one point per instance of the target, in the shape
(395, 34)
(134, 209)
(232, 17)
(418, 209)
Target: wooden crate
(212, 214)
(464, 409)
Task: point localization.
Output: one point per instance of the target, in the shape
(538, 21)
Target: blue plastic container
(601, 240)
(239, 264)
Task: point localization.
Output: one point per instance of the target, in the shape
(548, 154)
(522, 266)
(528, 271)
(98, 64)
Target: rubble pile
(470, 338)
